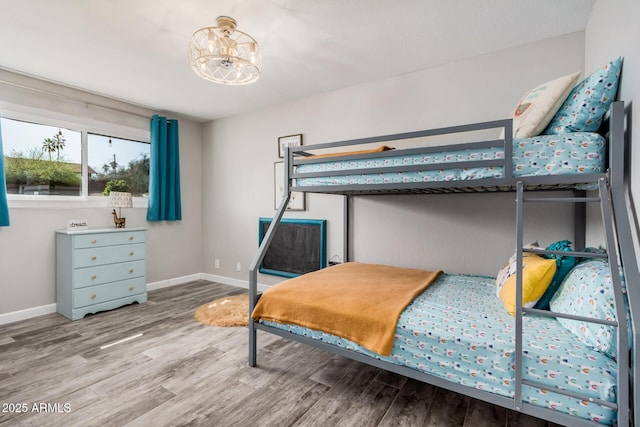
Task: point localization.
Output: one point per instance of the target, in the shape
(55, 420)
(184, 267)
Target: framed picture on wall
(296, 202)
(288, 141)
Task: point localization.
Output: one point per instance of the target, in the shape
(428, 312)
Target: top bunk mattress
(545, 155)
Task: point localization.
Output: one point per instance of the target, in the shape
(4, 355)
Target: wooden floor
(53, 372)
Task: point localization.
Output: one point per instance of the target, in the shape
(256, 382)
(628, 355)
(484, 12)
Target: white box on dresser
(99, 269)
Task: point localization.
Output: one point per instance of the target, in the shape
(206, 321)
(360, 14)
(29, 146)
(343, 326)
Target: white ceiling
(135, 50)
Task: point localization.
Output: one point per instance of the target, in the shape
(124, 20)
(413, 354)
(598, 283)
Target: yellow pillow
(537, 273)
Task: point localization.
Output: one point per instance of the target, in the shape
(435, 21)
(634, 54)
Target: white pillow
(537, 106)
(509, 268)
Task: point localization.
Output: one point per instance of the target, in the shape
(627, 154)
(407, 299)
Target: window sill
(65, 202)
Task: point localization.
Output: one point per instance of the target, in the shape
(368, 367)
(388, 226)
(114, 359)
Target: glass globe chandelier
(222, 54)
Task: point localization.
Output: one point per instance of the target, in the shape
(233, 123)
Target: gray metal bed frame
(613, 198)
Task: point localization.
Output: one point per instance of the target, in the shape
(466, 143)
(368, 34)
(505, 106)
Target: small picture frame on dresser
(77, 225)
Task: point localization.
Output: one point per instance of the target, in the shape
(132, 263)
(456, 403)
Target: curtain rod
(72, 98)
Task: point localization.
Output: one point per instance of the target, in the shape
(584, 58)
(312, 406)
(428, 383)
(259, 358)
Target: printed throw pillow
(588, 102)
(564, 264)
(537, 274)
(537, 106)
(588, 291)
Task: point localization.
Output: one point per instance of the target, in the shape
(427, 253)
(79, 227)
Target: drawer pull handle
(93, 296)
(94, 241)
(130, 237)
(93, 258)
(131, 271)
(94, 277)
(130, 288)
(131, 253)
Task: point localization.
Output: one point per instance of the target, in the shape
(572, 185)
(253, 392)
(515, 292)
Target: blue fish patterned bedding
(543, 155)
(438, 333)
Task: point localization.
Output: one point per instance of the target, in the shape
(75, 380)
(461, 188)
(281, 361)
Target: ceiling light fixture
(225, 55)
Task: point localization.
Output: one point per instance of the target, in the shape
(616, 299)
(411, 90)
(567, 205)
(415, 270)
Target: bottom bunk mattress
(544, 155)
(440, 333)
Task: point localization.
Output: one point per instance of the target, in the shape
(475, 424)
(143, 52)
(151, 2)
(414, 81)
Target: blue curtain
(164, 171)
(4, 208)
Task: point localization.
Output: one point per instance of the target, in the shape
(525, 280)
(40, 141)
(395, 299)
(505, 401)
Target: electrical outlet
(216, 264)
(238, 266)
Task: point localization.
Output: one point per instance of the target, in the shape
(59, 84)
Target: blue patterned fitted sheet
(566, 154)
(441, 334)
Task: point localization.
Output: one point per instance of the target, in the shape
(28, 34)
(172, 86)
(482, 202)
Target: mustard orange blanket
(357, 301)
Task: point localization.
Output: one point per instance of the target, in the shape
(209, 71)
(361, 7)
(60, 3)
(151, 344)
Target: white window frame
(84, 127)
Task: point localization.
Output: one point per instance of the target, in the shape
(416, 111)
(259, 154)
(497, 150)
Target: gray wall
(469, 234)
(27, 247)
(612, 31)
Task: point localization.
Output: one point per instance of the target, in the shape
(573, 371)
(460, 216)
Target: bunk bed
(534, 362)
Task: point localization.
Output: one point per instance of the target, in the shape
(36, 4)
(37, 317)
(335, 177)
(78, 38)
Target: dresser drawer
(107, 292)
(107, 255)
(91, 276)
(107, 239)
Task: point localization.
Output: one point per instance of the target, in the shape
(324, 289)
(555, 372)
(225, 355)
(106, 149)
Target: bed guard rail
(302, 155)
(358, 149)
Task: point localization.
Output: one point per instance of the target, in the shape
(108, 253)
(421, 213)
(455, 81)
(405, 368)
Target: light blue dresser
(99, 269)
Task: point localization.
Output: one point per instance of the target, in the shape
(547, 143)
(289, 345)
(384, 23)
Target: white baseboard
(230, 281)
(28, 313)
(172, 282)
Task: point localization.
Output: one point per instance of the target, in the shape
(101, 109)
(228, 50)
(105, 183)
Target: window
(117, 164)
(47, 160)
(41, 160)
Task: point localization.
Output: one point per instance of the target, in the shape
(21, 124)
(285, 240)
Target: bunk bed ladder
(627, 229)
(605, 202)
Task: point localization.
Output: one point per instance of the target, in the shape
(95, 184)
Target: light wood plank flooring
(53, 372)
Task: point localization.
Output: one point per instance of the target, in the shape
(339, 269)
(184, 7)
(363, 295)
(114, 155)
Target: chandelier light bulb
(211, 41)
